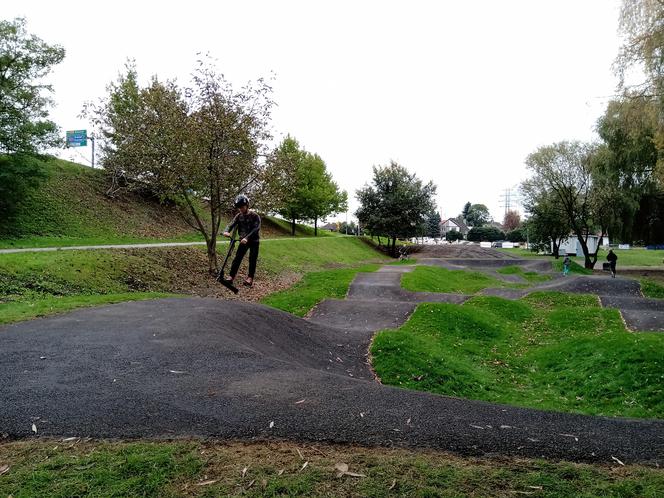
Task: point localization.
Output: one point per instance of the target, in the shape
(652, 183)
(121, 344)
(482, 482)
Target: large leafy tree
(477, 215)
(548, 224)
(25, 60)
(395, 204)
(565, 170)
(433, 224)
(199, 146)
(511, 221)
(312, 194)
(25, 130)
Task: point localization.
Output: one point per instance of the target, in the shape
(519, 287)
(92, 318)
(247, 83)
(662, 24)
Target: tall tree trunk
(556, 248)
(293, 227)
(316, 227)
(212, 255)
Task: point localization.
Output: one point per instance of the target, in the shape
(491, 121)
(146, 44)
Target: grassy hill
(71, 208)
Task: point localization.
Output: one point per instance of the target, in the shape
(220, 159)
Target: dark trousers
(252, 247)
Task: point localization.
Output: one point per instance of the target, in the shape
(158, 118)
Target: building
(572, 247)
(453, 225)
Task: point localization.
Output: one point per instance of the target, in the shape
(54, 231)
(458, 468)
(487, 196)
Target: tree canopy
(395, 204)
(477, 215)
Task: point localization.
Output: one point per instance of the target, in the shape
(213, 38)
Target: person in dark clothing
(248, 225)
(612, 258)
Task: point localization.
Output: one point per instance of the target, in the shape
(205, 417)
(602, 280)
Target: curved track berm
(204, 367)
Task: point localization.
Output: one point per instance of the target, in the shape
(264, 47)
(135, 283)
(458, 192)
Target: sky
(459, 92)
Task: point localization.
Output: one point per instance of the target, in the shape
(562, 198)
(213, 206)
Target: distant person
(612, 259)
(248, 225)
(566, 263)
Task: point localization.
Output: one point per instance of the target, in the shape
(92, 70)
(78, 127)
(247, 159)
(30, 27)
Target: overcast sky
(459, 92)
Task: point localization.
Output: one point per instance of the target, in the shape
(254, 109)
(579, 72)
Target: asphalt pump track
(191, 367)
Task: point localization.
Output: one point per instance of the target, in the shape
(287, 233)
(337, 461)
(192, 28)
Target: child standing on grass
(248, 225)
(566, 263)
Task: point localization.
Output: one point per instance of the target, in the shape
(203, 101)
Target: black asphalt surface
(209, 368)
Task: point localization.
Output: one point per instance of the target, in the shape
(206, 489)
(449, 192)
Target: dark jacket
(248, 226)
(612, 257)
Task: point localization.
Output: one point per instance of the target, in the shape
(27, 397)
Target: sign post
(79, 138)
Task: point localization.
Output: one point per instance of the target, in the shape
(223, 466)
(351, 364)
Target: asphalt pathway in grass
(209, 368)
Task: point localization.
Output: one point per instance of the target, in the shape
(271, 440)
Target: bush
(453, 235)
(516, 235)
(485, 234)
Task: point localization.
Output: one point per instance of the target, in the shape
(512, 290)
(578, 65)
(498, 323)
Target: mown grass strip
(313, 288)
(531, 277)
(652, 289)
(15, 311)
(549, 350)
(193, 468)
(437, 279)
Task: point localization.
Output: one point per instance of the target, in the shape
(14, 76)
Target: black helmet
(241, 200)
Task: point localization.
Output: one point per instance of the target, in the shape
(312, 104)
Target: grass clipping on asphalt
(71, 467)
(549, 350)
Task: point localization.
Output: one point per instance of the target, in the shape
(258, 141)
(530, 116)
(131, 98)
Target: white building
(572, 247)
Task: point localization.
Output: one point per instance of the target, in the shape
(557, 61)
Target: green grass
(72, 204)
(574, 267)
(209, 469)
(314, 254)
(315, 287)
(551, 351)
(652, 289)
(35, 284)
(47, 305)
(405, 261)
(531, 277)
(637, 256)
(300, 229)
(56, 241)
(437, 279)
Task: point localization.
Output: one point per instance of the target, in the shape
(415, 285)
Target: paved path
(204, 367)
(220, 242)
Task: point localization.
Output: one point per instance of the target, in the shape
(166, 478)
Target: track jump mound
(210, 368)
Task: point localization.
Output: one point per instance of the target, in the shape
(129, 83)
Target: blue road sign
(77, 138)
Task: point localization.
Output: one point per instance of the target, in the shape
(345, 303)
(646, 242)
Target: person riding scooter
(248, 225)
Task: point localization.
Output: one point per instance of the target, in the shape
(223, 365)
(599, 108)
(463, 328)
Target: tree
(565, 170)
(485, 234)
(516, 235)
(478, 215)
(512, 221)
(453, 235)
(25, 60)
(433, 225)
(320, 195)
(466, 210)
(199, 146)
(548, 224)
(395, 204)
(312, 194)
(25, 131)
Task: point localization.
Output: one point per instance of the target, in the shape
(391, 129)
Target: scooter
(220, 278)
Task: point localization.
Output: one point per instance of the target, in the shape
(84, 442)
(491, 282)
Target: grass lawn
(549, 350)
(55, 241)
(652, 289)
(637, 256)
(532, 277)
(315, 287)
(192, 468)
(36, 284)
(437, 279)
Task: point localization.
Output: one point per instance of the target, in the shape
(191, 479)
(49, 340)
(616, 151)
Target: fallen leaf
(177, 371)
(251, 484)
(281, 472)
(394, 483)
(67, 439)
(271, 425)
(408, 422)
(342, 468)
(304, 466)
(206, 483)
(618, 461)
(299, 453)
(4, 469)
(301, 401)
(34, 428)
(477, 426)
(535, 487)
(244, 471)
